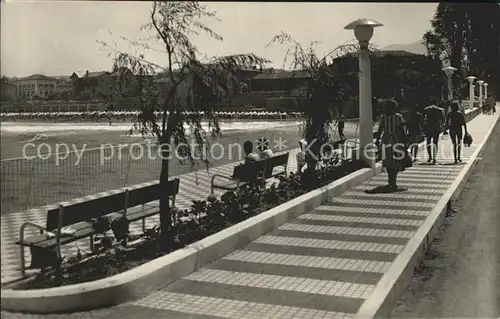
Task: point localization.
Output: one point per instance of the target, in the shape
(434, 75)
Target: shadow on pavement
(384, 190)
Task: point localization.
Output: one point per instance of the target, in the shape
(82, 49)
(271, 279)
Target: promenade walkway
(324, 264)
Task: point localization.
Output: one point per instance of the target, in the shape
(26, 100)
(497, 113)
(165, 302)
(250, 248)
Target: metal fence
(43, 180)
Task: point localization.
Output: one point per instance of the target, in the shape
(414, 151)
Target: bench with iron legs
(251, 172)
(46, 250)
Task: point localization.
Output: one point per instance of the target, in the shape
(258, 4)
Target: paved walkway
(461, 276)
(324, 264)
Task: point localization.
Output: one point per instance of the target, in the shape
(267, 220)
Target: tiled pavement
(193, 186)
(324, 264)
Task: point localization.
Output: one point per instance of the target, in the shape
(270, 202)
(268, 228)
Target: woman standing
(391, 131)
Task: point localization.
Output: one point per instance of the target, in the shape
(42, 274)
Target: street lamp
(485, 91)
(449, 70)
(363, 30)
(471, 79)
(480, 82)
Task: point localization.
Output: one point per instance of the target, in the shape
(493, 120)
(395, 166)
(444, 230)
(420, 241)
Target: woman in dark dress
(391, 131)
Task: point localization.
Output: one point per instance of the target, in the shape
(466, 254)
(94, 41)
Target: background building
(35, 86)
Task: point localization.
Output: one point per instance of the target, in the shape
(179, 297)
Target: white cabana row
(124, 114)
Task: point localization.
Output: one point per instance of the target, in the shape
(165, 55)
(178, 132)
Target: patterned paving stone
(324, 264)
(361, 220)
(329, 244)
(193, 186)
(389, 203)
(369, 211)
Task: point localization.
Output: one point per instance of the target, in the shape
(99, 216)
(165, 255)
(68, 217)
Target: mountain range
(417, 47)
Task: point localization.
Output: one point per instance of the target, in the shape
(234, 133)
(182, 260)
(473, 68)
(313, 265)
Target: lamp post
(480, 82)
(363, 30)
(485, 91)
(449, 70)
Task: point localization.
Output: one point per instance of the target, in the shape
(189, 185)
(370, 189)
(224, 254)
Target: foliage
(4, 94)
(409, 79)
(190, 83)
(327, 88)
(467, 36)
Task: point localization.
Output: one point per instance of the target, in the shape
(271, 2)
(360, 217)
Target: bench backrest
(85, 211)
(144, 195)
(249, 171)
(272, 162)
(100, 206)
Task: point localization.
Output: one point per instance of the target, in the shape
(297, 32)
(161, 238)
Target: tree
(467, 36)
(328, 88)
(194, 88)
(4, 82)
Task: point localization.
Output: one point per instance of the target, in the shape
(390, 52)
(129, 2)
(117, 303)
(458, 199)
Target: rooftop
(382, 53)
(68, 84)
(36, 77)
(281, 74)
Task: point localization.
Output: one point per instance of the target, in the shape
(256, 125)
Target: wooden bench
(251, 172)
(273, 162)
(46, 250)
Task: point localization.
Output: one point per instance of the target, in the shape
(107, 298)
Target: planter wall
(158, 273)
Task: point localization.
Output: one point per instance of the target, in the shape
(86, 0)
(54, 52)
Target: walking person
(454, 122)
(434, 120)
(493, 103)
(341, 126)
(415, 123)
(391, 131)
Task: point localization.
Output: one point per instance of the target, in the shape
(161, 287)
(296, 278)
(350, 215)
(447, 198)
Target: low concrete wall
(162, 271)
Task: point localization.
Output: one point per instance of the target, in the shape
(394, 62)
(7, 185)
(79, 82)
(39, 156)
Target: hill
(417, 47)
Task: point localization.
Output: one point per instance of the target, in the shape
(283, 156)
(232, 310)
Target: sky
(59, 37)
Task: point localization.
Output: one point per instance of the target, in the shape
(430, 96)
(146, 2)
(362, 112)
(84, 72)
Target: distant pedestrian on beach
(454, 122)
(434, 121)
(415, 123)
(341, 126)
(109, 110)
(392, 132)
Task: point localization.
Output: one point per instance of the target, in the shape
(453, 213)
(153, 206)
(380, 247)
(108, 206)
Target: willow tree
(329, 87)
(191, 92)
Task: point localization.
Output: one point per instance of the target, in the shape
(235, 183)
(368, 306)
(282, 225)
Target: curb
(158, 273)
(396, 279)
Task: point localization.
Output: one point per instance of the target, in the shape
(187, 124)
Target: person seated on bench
(264, 150)
(250, 155)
